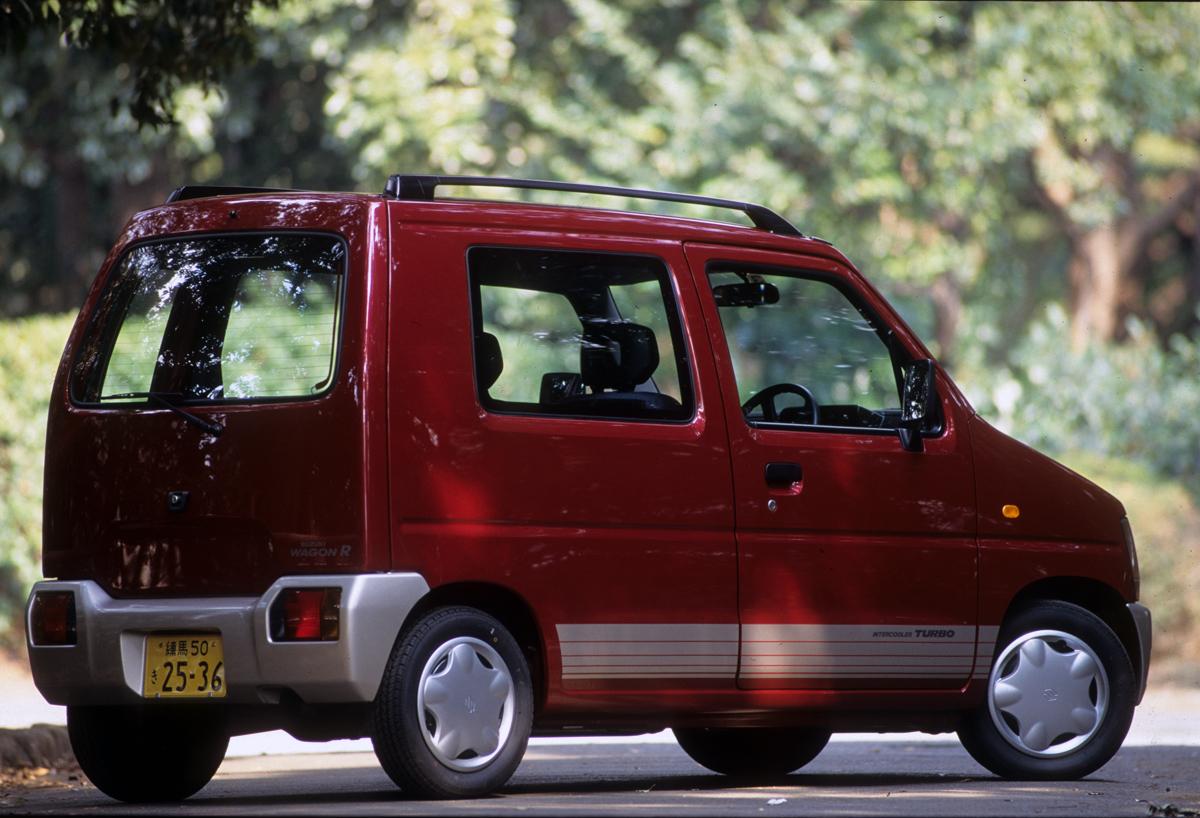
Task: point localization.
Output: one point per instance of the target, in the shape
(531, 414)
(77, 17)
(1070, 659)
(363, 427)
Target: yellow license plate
(184, 665)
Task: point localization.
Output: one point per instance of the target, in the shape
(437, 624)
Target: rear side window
(214, 319)
(577, 333)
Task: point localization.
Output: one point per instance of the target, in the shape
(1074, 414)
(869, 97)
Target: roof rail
(409, 187)
(204, 191)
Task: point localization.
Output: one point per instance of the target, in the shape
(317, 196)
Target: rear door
(558, 437)
(258, 333)
(856, 559)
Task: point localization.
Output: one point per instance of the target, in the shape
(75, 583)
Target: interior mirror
(746, 294)
(918, 402)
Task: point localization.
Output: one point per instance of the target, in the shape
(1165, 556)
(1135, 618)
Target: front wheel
(150, 753)
(1060, 696)
(751, 752)
(455, 707)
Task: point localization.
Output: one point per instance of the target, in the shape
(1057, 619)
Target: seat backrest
(617, 355)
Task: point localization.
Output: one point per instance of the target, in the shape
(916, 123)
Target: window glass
(805, 354)
(215, 319)
(576, 333)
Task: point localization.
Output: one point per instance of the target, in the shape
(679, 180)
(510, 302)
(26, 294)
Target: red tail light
(52, 618)
(306, 615)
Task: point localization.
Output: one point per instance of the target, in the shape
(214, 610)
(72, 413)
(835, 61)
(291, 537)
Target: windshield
(221, 318)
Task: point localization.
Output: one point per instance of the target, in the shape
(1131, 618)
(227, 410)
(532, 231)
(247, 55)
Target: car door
(857, 558)
(561, 440)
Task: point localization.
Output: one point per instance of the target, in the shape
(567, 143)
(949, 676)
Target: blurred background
(1022, 180)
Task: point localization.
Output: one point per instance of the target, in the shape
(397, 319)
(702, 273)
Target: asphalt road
(850, 777)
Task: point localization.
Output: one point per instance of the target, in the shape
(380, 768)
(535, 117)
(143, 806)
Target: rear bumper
(105, 665)
(1141, 619)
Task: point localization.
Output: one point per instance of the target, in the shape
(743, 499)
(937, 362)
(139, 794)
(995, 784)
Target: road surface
(859, 777)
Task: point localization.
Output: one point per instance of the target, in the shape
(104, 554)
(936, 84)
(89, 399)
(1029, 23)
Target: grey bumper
(106, 664)
(1141, 619)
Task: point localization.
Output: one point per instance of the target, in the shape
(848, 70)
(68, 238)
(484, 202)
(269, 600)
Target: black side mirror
(918, 403)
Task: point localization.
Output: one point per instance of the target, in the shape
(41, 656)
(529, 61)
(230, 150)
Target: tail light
(306, 615)
(52, 618)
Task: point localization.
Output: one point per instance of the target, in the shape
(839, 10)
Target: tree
(165, 44)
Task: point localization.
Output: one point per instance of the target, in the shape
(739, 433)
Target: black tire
(986, 741)
(143, 754)
(760, 753)
(405, 745)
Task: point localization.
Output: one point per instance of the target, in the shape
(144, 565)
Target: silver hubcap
(465, 703)
(1048, 693)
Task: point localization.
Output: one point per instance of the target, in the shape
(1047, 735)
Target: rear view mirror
(918, 402)
(746, 294)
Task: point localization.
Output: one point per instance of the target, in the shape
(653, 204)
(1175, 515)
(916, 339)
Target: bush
(29, 353)
(1137, 400)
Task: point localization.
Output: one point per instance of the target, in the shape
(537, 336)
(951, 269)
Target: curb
(42, 745)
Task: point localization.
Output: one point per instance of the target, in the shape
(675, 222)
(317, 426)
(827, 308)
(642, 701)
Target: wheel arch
(506, 605)
(1092, 595)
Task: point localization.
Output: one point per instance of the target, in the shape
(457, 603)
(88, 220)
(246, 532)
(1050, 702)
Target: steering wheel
(766, 399)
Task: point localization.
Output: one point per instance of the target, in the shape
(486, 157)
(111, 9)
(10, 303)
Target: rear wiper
(161, 398)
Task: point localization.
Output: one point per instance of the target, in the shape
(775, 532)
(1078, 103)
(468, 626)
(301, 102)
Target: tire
(1060, 696)
(751, 752)
(143, 754)
(433, 729)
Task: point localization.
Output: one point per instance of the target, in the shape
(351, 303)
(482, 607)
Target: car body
(470, 431)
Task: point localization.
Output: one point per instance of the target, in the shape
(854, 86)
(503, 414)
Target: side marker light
(1010, 511)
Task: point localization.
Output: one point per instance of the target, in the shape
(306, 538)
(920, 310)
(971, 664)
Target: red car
(451, 473)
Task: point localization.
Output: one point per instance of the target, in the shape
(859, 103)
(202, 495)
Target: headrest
(489, 363)
(617, 355)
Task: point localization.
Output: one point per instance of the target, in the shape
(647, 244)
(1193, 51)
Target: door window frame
(883, 330)
(671, 304)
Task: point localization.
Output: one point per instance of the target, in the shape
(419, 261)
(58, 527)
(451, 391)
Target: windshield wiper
(162, 398)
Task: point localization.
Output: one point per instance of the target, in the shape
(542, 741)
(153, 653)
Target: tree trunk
(1096, 273)
(946, 297)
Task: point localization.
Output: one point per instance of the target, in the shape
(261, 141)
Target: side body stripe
(774, 651)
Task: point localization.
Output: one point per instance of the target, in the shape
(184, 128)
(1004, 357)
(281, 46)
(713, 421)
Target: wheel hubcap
(465, 702)
(1048, 693)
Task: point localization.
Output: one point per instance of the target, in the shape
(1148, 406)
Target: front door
(856, 558)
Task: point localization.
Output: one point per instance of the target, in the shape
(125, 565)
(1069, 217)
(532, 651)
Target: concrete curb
(42, 745)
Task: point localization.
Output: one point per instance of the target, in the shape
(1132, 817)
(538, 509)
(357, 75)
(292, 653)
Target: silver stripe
(650, 648)
(843, 674)
(858, 633)
(856, 661)
(961, 651)
(648, 633)
(774, 651)
(649, 661)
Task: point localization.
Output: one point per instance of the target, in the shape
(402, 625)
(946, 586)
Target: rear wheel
(1060, 696)
(455, 708)
(148, 753)
(751, 752)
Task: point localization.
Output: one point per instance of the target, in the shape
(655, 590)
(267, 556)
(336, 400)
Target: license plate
(184, 665)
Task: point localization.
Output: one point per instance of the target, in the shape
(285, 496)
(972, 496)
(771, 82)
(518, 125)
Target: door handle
(783, 475)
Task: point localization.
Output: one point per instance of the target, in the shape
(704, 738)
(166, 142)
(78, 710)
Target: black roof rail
(204, 191)
(410, 187)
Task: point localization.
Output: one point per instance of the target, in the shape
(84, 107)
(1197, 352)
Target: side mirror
(918, 402)
(748, 294)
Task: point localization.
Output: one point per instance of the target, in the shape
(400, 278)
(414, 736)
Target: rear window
(216, 319)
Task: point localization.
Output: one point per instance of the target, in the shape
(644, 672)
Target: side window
(804, 353)
(577, 333)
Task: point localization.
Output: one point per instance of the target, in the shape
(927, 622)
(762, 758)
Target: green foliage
(166, 44)
(29, 354)
(1138, 401)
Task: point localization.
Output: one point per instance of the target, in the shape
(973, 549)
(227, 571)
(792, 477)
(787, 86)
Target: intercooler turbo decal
(650, 651)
